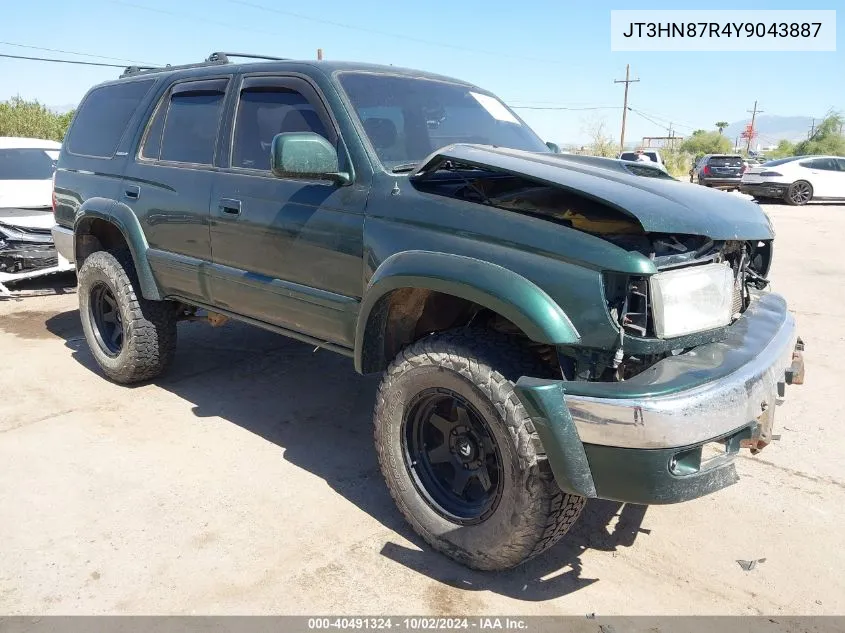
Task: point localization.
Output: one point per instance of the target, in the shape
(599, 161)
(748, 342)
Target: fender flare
(490, 285)
(122, 217)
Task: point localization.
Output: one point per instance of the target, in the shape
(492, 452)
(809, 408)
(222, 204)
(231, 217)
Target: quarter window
(265, 112)
(102, 119)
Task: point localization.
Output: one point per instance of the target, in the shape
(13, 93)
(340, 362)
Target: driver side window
(264, 112)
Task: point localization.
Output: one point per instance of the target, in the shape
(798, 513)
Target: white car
(26, 210)
(797, 179)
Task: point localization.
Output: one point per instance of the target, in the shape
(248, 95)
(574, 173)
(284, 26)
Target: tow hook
(762, 435)
(795, 373)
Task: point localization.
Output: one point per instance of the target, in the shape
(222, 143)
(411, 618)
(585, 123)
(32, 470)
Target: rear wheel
(131, 338)
(460, 455)
(799, 193)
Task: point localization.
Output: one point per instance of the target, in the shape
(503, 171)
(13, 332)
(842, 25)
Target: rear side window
(779, 161)
(726, 161)
(184, 126)
(103, 117)
(628, 156)
(27, 164)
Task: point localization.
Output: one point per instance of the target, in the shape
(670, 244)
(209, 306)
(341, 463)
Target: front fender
(127, 223)
(497, 288)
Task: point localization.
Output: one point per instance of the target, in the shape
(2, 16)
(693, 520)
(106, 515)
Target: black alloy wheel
(452, 456)
(105, 315)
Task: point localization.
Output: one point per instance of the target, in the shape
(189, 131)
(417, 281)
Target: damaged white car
(26, 210)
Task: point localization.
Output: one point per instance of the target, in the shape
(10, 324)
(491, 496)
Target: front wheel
(460, 455)
(131, 338)
(799, 193)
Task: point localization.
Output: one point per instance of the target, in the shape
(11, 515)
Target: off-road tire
(481, 366)
(149, 327)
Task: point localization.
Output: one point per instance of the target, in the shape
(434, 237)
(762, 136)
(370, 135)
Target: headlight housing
(690, 300)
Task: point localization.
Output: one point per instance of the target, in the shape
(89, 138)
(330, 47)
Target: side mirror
(307, 156)
(553, 147)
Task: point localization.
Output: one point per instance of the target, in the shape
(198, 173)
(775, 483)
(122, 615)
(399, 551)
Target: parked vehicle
(797, 179)
(647, 169)
(26, 211)
(652, 154)
(547, 329)
(721, 171)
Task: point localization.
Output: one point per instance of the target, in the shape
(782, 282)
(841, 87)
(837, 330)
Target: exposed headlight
(690, 300)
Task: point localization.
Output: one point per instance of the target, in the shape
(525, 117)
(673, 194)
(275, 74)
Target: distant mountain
(772, 128)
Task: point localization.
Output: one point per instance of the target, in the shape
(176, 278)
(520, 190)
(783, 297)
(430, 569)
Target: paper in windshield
(495, 108)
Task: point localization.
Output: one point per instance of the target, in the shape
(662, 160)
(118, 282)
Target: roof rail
(215, 59)
(224, 57)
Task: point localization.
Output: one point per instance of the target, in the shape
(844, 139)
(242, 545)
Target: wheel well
(406, 315)
(96, 235)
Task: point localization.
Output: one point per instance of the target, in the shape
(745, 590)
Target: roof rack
(215, 59)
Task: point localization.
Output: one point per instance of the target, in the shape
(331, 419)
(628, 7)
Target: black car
(723, 171)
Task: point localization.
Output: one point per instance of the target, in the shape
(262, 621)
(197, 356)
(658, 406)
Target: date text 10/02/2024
(418, 623)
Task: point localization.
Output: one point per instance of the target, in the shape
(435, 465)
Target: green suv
(548, 328)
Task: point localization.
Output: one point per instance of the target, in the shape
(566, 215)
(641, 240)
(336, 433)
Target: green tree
(827, 138)
(19, 117)
(600, 143)
(785, 148)
(701, 143)
(721, 125)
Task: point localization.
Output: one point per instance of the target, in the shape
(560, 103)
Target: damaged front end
(26, 250)
(702, 353)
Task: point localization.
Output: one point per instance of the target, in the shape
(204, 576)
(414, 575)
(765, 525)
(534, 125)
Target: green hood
(661, 205)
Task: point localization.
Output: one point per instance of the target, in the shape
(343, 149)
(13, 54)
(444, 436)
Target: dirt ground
(246, 482)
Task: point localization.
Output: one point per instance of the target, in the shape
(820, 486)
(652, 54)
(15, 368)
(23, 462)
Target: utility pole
(812, 129)
(319, 53)
(736, 143)
(754, 114)
(625, 81)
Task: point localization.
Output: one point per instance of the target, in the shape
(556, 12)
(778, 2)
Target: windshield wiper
(398, 169)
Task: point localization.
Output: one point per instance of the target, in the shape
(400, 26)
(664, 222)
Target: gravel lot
(242, 484)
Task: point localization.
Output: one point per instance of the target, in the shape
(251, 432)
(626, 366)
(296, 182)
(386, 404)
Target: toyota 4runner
(548, 329)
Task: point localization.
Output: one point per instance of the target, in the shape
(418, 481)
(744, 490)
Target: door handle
(230, 206)
(133, 192)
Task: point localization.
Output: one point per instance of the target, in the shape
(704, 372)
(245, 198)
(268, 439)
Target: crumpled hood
(660, 205)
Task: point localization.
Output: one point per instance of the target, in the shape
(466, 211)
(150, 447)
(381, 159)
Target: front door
(286, 252)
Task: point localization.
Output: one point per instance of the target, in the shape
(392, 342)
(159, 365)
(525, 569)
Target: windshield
(407, 118)
(27, 164)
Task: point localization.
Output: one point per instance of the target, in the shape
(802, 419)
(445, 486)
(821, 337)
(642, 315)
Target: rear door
(168, 184)
(288, 252)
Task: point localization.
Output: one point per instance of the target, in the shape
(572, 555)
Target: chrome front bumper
(706, 393)
(63, 239)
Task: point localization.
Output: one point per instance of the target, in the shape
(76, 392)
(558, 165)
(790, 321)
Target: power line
(62, 61)
(401, 36)
(58, 50)
(639, 113)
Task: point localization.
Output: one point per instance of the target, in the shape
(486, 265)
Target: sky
(532, 54)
